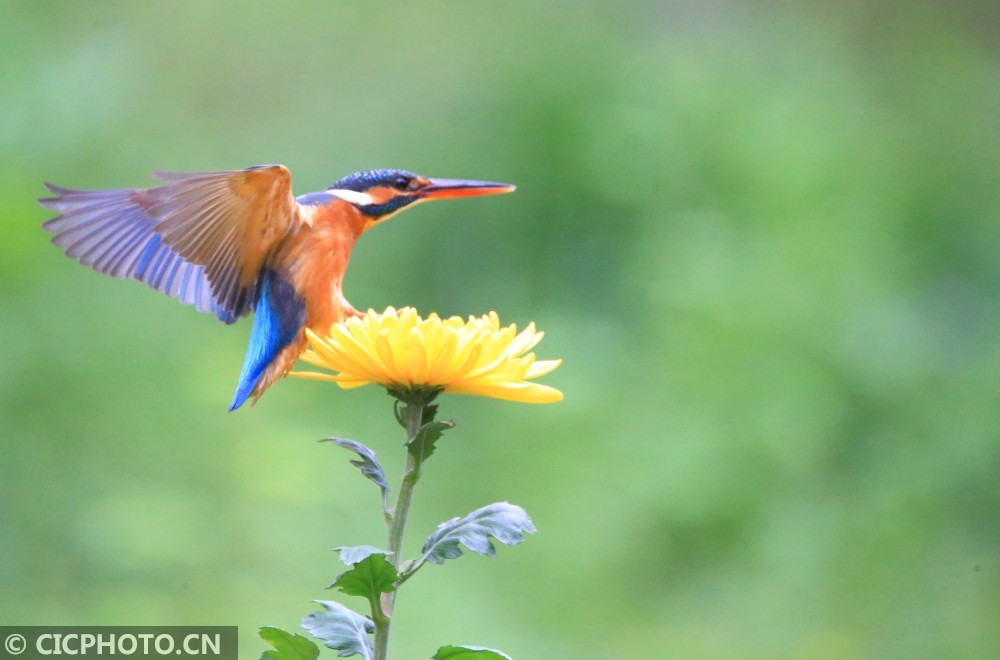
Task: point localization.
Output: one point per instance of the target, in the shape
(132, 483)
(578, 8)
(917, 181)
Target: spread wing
(201, 238)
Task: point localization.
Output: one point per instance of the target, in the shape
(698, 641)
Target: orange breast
(315, 259)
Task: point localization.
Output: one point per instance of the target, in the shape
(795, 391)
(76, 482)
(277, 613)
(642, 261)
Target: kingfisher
(234, 242)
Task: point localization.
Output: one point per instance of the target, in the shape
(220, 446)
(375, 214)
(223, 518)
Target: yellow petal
(313, 375)
(416, 357)
(542, 367)
(399, 349)
(441, 359)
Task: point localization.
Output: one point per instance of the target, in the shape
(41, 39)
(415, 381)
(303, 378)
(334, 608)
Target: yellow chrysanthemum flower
(405, 353)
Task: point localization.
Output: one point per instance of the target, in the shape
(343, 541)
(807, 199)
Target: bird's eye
(401, 183)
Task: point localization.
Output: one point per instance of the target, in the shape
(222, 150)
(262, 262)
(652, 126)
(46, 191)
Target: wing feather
(201, 238)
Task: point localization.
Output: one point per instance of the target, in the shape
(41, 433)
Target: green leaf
(288, 646)
(429, 413)
(422, 445)
(452, 652)
(368, 464)
(341, 629)
(503, 521)
(370, 575)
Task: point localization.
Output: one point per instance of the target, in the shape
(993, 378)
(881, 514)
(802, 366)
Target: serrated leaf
(422, 444)
(452, 652)
(368, 464)
(503, 521)
(428, 414)
(287, 646)
(370, 575)
(341, 629)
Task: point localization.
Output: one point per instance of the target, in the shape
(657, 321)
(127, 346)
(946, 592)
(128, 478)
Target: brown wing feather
(228, 222)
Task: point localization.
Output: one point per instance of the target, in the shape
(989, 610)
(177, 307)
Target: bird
(235, 242)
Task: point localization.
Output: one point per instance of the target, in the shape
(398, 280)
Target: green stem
(411, 416)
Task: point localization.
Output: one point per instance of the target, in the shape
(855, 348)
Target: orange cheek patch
(381, 194)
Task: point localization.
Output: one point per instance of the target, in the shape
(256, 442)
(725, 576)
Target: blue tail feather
(279, 318)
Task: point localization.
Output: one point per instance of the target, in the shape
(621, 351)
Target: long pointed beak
(452, 188)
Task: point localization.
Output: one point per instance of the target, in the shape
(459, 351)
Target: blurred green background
(764, 237)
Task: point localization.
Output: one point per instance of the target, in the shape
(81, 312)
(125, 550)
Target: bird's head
(379, 194)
